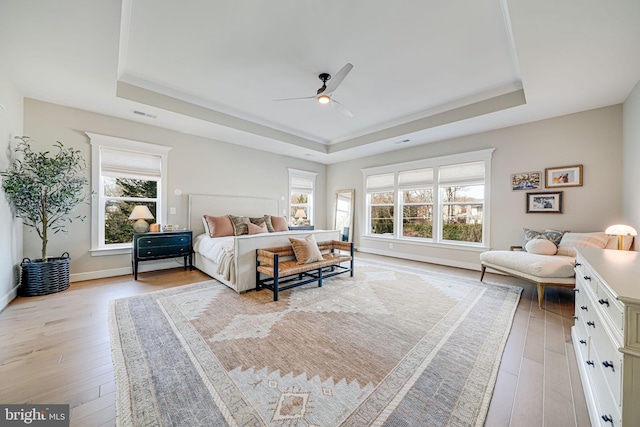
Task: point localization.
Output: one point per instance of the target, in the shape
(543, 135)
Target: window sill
(111, 251)
(417, 242)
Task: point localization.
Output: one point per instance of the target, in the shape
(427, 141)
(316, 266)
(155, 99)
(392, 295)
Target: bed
(232, 259)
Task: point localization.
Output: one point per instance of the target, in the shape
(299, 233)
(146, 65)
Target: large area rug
(390, 346)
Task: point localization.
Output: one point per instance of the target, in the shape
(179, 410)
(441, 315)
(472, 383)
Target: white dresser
(606, 334)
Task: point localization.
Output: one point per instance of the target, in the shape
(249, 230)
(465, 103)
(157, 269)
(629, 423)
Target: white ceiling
(424, 70)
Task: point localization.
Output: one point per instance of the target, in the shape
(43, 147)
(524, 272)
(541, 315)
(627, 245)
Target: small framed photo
(565, 176)
(549, 202)
(526, 181)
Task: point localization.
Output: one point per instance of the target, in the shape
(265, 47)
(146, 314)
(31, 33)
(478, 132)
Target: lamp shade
(300, 213)
(140, 213)
(621, 230)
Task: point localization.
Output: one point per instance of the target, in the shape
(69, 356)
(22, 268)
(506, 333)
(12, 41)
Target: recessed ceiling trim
(498, 103)
(155, 99)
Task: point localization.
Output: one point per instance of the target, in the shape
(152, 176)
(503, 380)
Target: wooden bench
(280, 267)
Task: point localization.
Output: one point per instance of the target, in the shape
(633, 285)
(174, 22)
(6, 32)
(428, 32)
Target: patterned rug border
(123, 395)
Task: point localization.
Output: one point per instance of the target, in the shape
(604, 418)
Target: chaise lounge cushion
(530, 265)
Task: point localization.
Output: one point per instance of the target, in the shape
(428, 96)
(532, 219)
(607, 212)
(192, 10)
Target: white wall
(195, 165)
(592, 138)
(631, 148)
(11, 234)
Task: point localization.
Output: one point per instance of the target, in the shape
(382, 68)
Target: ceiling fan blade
(295, 99)
(338, 78)
(340, 107)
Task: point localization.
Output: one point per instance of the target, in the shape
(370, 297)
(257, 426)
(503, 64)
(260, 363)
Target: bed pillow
(278, 223)
(571, 241)
(257, 229)
(218, 226)
(306, 250)
(553, 235)
(239, 224)
(541, 247)
(206, 225)
(257, 221)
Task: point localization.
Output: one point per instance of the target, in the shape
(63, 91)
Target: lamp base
(620, 242)
(141, 226)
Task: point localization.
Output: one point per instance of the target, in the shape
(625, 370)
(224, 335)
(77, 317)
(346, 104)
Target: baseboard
(439, 261)
(8, 297)
(124, 271)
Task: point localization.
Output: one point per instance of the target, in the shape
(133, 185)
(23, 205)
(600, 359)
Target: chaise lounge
(547, 258)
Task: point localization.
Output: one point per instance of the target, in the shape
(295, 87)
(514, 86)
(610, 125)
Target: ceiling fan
(324, 93)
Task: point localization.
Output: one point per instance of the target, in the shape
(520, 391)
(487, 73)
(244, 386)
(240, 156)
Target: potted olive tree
(45, 189)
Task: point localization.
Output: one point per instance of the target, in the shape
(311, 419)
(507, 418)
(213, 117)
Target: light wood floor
(56, 349)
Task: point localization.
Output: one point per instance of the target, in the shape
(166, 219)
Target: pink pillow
(279, 223)
(541, 247)
(219, 226)
(257, 229)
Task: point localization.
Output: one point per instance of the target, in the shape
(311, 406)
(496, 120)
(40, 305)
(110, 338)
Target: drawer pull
(575, 317)
(583, 342)
(587, 278)
(576, 289)
(604, 301)
(584, 307)
(149, 241)
(181, 250)
(590, 363)
(182, 239)
(607, 419)
(591, 323)
(608, 364)
(578, 264)
(148, 252)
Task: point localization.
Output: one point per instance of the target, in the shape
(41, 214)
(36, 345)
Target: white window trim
(434, 162)
(293, 173)
(98, 141)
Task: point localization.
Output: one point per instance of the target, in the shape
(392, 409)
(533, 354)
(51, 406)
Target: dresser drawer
(583, 340)
(162, 251)
(156, 241)
(610, 306)
(604, 352)
(585, 274)
(605, 405)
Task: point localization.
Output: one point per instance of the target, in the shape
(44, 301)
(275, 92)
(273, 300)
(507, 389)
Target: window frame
(98, 201)
(435, 163)
(307, 176)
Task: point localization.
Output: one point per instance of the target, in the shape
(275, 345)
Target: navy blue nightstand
(168, 244)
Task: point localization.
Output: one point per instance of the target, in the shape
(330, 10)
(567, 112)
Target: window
(462, 198)
(439, 200)
(124, 174)
(301, 190)
(380, 198)
(416, 189)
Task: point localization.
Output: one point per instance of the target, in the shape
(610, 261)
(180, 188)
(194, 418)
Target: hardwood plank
(528, 407)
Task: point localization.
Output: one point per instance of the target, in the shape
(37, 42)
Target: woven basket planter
(43, 278)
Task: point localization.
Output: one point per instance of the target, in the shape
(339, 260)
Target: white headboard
(214, 205)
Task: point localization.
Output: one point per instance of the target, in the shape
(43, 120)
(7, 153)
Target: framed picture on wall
(565, 176)
(526, 181)
(549, 202)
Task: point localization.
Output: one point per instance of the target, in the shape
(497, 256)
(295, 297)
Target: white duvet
(218, 250)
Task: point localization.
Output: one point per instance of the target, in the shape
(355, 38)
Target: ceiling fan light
(324, 99)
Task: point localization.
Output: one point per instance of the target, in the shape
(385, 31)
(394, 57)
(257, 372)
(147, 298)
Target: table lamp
(141, 212)
(621, 230)
(300, 215)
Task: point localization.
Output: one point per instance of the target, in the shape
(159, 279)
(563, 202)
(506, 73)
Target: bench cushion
(538, 266)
